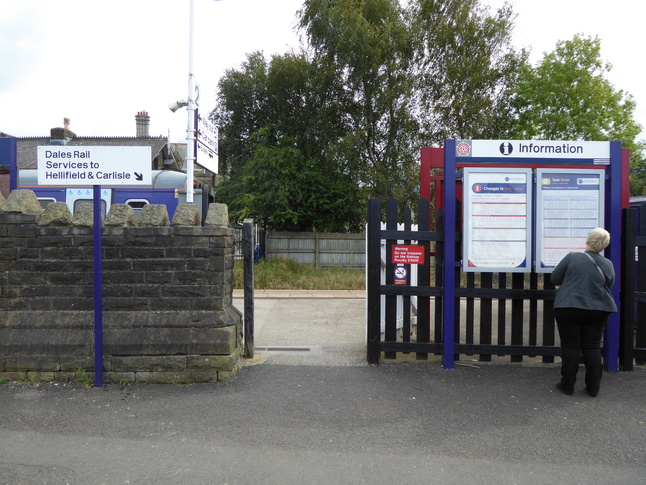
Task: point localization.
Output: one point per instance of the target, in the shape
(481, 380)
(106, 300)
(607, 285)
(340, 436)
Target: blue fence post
(448, 313)
(611, 337)
(98, 290)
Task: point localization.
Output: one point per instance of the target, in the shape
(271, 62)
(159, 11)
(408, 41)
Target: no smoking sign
(400, 276)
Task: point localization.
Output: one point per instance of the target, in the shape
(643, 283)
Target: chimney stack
(143, 124)
(60, 136)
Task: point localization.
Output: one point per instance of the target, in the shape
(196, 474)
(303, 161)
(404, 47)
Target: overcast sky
(99, 63)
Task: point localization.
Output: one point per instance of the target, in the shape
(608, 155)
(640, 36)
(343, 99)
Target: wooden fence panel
(424, 278)
(640, 293)
(391, 300)
(320, 249)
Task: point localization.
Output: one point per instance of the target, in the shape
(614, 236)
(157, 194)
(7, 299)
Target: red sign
(404, 254)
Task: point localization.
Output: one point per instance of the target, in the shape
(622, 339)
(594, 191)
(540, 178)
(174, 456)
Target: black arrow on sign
(139, 177)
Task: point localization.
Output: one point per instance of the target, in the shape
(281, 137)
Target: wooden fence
(632, 340)
(318, 248)
(496, 314)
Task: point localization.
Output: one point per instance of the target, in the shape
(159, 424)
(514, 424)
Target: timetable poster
(569, 205)
(497, 228)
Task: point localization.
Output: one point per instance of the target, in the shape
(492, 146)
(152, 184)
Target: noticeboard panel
(497, 220)
(569, 204)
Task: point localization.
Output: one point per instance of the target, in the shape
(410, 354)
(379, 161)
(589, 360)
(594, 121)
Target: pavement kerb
(353, 294)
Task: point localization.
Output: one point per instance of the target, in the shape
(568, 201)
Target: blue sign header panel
(7, 151)
(531, 151)
(497, 220)
(8, 157)
(569, 204)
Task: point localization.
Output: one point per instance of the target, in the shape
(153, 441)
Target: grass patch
(287, 274)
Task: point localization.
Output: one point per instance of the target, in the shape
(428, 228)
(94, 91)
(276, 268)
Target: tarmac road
(322, 416)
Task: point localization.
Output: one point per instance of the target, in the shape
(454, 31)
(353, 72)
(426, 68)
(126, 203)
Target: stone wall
(167, 294)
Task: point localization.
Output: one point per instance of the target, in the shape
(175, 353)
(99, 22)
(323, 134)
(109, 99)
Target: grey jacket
(581, 283)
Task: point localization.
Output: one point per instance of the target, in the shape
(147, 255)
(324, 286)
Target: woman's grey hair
(598, 239)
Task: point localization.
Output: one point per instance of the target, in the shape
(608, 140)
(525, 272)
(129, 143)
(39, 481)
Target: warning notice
(408, 254)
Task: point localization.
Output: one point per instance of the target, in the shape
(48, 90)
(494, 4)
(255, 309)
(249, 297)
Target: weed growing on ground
(83, 378)
(27, 380)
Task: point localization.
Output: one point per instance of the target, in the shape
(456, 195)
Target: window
(137, 205)
(91, 201)
(45, 201)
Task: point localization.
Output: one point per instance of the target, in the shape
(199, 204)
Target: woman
(581, 307)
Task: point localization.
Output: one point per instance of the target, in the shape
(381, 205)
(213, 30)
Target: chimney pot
(143, 124)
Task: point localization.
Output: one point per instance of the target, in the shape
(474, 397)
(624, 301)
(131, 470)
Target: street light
(190, 130)
(191, 104)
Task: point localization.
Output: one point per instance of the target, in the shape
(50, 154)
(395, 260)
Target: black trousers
(581, 332)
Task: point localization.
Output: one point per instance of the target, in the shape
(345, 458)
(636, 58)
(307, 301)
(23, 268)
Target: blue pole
(448, 312)
(98, 290)
(611, 337)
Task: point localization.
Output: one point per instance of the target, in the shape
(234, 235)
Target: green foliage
(366, 45)
(307, 137)
(567, 96)
(281, 169)
(83, 378)
(464, 65)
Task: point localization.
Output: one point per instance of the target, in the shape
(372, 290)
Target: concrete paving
(308, 409)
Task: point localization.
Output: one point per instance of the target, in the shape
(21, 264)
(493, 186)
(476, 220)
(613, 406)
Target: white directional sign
(94, 165)
(206, 145)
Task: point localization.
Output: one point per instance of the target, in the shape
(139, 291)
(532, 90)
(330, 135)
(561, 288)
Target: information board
(497, 227)
(569, 204)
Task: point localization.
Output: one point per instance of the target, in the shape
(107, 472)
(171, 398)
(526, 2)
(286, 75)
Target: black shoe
(592, 392)
(564, 390)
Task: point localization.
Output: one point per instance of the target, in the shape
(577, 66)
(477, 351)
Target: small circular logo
(477, 188)
(463, 149)
(506, 148)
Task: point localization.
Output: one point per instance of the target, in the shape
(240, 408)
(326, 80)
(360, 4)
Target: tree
(349, 114)
(567, 96)
(280, 118)
(366, 43)
(464, 66)
(243, 109)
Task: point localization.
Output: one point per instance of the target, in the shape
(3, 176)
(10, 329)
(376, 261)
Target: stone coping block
(56, 214)
(121, 215)
(84, 216)
(22, 201)
(154, 215)
(218, 215)
(187, 215)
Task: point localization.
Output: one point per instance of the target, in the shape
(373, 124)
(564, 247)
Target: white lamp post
(190, 130)
(191, 105)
